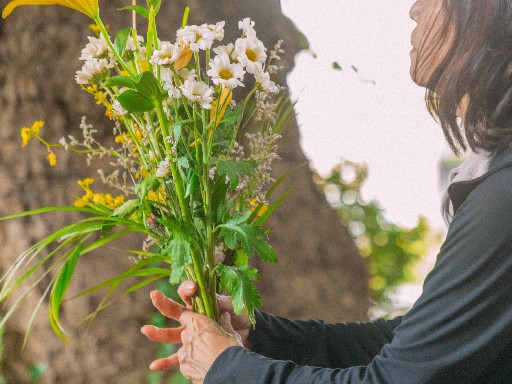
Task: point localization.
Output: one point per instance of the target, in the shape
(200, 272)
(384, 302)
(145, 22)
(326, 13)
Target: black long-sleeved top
(459, 330)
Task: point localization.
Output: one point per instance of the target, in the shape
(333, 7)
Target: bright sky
(385, 125)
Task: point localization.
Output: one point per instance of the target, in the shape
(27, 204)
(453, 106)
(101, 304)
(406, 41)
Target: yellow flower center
(225, 74)
(251, 55)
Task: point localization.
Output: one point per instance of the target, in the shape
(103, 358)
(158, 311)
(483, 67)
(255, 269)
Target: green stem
(197, 262)
(104, 32)
(180, 190)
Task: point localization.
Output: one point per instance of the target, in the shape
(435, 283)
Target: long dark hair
(479, 65)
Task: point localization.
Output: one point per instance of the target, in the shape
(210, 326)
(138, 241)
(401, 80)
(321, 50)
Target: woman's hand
(203, 339)
(241, 323)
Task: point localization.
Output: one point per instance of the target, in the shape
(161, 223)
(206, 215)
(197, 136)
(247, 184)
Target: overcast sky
(344, 115)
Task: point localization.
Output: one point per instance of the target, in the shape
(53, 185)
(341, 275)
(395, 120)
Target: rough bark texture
(320, 273)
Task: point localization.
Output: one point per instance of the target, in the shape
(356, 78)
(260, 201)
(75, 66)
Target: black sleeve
(461, 324)
(323, 345)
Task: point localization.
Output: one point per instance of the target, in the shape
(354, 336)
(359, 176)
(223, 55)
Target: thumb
(225, 322)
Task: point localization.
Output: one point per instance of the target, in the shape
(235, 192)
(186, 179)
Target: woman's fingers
(163, 335)
(187, 290)
(167, 307)
(165, 363)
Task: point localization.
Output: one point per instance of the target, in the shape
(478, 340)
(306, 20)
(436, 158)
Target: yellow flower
(84, 183)
(96, 29)
(27, 133)
(117, 202)
(157, 197)
(143, 65)
(121, 138)
(109, 112)
(254, 205)
(142, 172)
(87, 7)
(52, 159)
(80, 203)
(100, 97)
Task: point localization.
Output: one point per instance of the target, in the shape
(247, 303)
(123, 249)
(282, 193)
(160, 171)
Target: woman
(460, 329)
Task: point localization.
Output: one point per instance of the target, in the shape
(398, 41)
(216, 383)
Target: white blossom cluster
(228, 67)
(99, 59)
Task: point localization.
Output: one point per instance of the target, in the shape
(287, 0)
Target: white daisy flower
(198, 92)
(247, 27)
(198, 37)
(93, 71)
(228, 50)
(118, 109)
(217, 30)
(96, 48)
(130, 45)
(251, 54)
(169, 81)
(224, 72)
(164, 168)
(167, 54)
(263, 78)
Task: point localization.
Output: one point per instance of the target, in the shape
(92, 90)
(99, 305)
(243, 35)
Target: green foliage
(238, 283)
(251, 238)
(391, 251)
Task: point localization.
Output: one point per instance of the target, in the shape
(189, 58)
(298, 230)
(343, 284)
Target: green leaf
(119, 81)
(185, 17)
(137, 8)
(155, 4)
(233, 115)
(236, 220)
(238, 283)
(179, 250)
(177, 131)
(251, 239)
(121, 40)
(127, 209)
(233, 169)
(240, 258)
(230, 238)
(148, 86)
(192, 184)
(59, 289)
(261, 220)
(134, 102)
(183, 162)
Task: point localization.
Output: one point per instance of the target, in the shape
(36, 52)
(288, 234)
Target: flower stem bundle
(186, 173)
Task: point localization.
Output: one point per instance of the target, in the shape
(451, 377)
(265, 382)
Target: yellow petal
(225, 98)
(184, 59)
(26, 134)
(87, 7)
(52, 159)
(38, 124)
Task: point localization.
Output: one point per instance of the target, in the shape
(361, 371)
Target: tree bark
(320, 273)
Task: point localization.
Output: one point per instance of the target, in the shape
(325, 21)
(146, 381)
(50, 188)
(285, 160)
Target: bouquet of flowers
(187, 173)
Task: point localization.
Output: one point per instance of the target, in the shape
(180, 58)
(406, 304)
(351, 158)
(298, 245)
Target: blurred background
(355, 237)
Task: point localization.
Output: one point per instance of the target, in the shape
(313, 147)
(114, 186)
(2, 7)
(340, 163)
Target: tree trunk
(320, 273)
